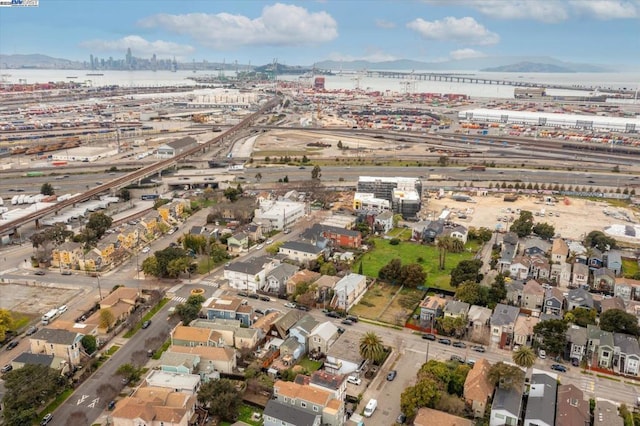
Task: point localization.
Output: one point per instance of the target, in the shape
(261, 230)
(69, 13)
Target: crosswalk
(588, 385)
(179, 299)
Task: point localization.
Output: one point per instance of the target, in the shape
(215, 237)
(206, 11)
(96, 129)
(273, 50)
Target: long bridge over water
(472, 79)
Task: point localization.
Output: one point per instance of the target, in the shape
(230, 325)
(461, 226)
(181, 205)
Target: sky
(605, 32)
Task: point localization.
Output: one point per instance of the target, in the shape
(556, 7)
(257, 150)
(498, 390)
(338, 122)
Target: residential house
(282, 414)
(348, 291)
(503, 322)
(129, 236)
(59, 343)
(534, 245)
(276, 279)
(254, 231)
(154, 406)
(514, 292)
(175, 362)
(479, 317)
(431, 308)
(211, 358)
(229, 307)
(322, 337)
(301, 252)
(607, 413)
(532, 296)
(185, 383)
(149, 225)
(456, 309)
(340, 237)
(577, 343)
(613, 262)
(383, 222)
(183, 335)
(431, 231)
(232, 332)
(506, 407)
(121, 302)
(626, 354)
(310, 399)
(508, 251)
(519, 267)
(334, 383)
(283, 325)
(554, 302)
(611, 303)
(326, 285)
(559, 251)
(477, 387)
(604, 280)
(302, 276)
(429, 417)
(541, 404)
(579, 298)
(523, 330)
(343, 357)
(571, 407)
(561, 274)
(238, 242)
(456, 231)
(92, 261)
(580, 275)
(302, 329)
(627, 289)
(265, 322)
(291, 350)
(27, 358)
(596, 259)
(67, 255)
(600, 346)
(170, 213)
(539, 269)
(249, 275)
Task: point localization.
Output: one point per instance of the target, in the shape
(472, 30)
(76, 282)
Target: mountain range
(488, 64)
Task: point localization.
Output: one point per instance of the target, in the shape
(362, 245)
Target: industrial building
(278, 215)
(84, 154)
(549, 119)
(404, 194)
(177, 147)
(222, 98)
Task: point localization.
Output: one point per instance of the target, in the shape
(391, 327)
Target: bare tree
(77, 418)
(106, 392)
(139, 358)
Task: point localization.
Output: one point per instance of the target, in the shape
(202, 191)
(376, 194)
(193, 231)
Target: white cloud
(466, 54)
(606, 9)
(139, 46)
(371, 56)
(464, 30)
(387, 25)
(279, 25)
(539, 10)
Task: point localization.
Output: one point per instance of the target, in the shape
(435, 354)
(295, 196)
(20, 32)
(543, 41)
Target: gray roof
(508, 252)
(289, 414)
(182, 143)
(385, 215)
(504, 315)
(283, 272)
(176, 359)
(628, 344)
(542, 398)
(307, 323)
(507, 399)
(604, 338)
(301, 246)
(614, 256)
(251, 266)
(606, 413)
(456, 307)
(580, 268)
(580, 297)
(55, 336)
(510, 238)
(340, 231)
(29, 358)
(602, 272)
(285, 322)
(577, 335)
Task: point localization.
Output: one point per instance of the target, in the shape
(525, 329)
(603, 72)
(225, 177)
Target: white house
(348, 291)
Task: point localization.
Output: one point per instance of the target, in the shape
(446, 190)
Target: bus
(149, 197)
(34, 174)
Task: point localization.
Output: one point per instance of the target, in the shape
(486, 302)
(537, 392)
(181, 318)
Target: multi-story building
(404, 194)
(278, 215)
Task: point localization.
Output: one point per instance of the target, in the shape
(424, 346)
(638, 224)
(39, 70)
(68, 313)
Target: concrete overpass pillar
(37, 223)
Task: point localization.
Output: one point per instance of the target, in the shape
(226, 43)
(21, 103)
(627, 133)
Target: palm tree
(524, 357)
(371, 347)
(443, 245)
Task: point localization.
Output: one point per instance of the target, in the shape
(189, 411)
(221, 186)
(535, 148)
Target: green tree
(125, 194)
(452, 326)
(130, 372)
(371, 347)
(316, 173)
(544, 230)
(89, 343)
(412, 275)
(27, 390)
(600, 240)
(523, 225)
(190, 309)
(47, 189)
(220, 398)
(231, 194)
(195, 243)
(506, 376)
(581, 316)
(618, 321)
(52, 235)
(99, 223)
(425, 393)
(472, 293)
(165, 256)
(6, 323)
(150, 266)
(524, 357)
(444, 245)
(466, 270)
(396, 219)
(274, 248)
(106, 319)
(497, 291)
(551, 335)
(391, 271)
(328, 268)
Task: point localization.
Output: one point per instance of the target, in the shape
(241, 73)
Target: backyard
(387, 303)
(410, 252)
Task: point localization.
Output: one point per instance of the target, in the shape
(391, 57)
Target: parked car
(146, 249)
(340, 330)
(259, 311)
(254, 296)
(265, 298)
(12, 344)
(332, 314)
(31, 330)
(347, 322)
(444, 341)
(288, 304)
(111, 405)
(559, 367)
(6, 368)
(62, 309)
(303, 308)
(269, 241)
(352, 318)
(542, 354)
(471, 362)
(459, 345)
(39, 273)
(479, 348)
(457, 359)
(65, 272)
(429, 336)
(243, 294)
(46, 419)
(575, 362)
(401, 419)
(354, 380)
(146, 324)
(392, 375)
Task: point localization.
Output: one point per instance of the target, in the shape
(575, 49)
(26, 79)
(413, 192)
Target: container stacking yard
(550, 119)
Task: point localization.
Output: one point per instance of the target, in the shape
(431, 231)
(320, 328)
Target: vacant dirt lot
(573, 219)
(33, 299)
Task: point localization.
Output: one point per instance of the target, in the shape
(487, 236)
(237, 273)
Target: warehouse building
(550, 119)
(177, 147)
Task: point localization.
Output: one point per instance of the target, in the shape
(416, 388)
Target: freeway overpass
(12, 226)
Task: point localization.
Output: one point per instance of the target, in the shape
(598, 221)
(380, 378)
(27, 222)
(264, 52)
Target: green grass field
(629, 267)
(410, 252)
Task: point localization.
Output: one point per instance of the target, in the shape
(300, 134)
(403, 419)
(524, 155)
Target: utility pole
(99, 289)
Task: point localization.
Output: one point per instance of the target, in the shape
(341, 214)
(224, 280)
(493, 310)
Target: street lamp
(99, 289)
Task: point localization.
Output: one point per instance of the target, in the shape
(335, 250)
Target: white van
(370, 408)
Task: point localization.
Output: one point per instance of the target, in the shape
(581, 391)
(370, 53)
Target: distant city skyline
(300, 33)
